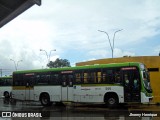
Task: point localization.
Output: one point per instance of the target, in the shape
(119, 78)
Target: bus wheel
(112, 101)
(45, 100)
(6, 94)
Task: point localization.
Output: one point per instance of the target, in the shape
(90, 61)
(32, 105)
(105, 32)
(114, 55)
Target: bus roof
(6, 77)
(79, 67)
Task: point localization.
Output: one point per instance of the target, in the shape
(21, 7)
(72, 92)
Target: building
(9, 9)
(151, 62)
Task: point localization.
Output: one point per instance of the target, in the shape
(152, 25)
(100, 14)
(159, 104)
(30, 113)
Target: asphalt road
(10, 110)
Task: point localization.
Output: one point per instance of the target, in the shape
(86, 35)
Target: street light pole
(16, 64)
(111, 45)
(48, 55)
(114, 36)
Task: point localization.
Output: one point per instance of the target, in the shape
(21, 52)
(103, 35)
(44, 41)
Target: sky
(71, 28)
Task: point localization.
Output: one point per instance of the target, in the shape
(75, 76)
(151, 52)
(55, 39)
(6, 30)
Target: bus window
(37, 79)
(1, 83)
(67, 80)
(78, 76)
(54, 79)
(99, 77)
(90, 76)
(42, 79)
(111, 75)
(70, 80)
(64, 80)
(18, 80)
(117, 76)
(8, 82)
(126, 80)
(29, 79)
(104, 78)
(85, 77)
(136, 79)
(5, 81)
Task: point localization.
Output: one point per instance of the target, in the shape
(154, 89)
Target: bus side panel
(120, 92)
(87, 94)
(53, 91)
(23, 93)
(20, 94)
(96, 93)
(29, 94)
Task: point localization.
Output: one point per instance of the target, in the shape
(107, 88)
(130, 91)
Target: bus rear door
(29, 86)
(67, 86)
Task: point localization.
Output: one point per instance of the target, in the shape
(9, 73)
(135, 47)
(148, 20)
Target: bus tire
(111, 100)
(45, 99)
(6, 94)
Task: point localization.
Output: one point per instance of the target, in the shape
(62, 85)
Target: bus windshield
(146, 79)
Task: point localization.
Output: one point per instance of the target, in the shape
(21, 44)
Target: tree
(59, 63)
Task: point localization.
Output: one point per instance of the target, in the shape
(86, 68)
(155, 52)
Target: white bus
(107, 83)
(5, 86)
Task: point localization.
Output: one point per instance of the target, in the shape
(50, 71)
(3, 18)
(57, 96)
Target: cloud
(25, 42)
(71, 27)
(121, 53)
(157, 50)
(102, 53)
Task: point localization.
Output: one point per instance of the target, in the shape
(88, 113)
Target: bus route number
(108, 88)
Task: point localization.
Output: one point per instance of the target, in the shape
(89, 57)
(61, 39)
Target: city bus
(108, 84)
(5, 86)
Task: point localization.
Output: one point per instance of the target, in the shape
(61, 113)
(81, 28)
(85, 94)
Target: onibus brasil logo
(21, 114)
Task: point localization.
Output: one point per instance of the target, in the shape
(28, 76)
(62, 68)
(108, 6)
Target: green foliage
(59, 63)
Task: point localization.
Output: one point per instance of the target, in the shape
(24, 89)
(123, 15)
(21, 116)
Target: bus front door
(67, 87)
(131, 85)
